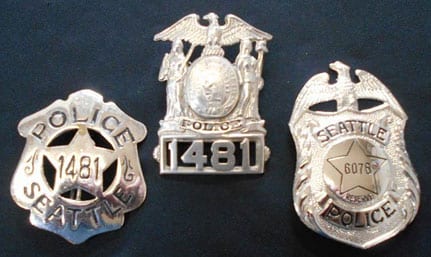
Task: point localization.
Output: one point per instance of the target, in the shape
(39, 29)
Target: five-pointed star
(358, 176)
(80, 164)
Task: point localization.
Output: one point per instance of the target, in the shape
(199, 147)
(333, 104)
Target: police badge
(212, 124)
(354, 181)
(79, 172)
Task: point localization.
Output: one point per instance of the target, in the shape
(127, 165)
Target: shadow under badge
(212, 123)
(79, 172)
(354, 181)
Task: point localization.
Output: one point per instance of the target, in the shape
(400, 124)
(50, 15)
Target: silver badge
(79, 172)
(212, 124)
(354, 181)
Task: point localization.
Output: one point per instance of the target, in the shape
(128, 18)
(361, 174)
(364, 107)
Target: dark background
(50, 49)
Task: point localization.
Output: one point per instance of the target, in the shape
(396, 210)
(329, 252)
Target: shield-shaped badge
(212, 124)
(79, 172)
(354, 181)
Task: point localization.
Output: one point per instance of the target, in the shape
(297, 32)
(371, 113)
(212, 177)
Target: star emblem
(80, 165)
(357, 168)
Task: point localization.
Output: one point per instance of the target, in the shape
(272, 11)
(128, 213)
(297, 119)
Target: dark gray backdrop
(52, 48)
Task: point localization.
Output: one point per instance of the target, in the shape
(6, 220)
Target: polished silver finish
(212, 123)
(354, 181)
(62, 177)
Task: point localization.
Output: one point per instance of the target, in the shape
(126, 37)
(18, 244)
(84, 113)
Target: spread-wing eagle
(189, 29)
(318, 90)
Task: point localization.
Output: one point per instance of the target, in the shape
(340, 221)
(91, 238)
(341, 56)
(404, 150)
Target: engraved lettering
(185, 123)
(38, 130)
(352, 127)
(82, 167)
(387, 209)
(75, 221)
(224, 126)
(370, 129)
(197, 125)
(350, 122)
(123, 137)
(57, 119)
(322, 137)
(361, 125)
(360, 219)
(210, 125)
(331, 130)
(375, 218)
(75, 116)
(95, 115)
(110, 209)
(110, 123)
(346, 218)
(78, 119)
(381, 134)
(42, 203)
(58, 214)
(30, 193)
(125, 198)
(342, 127)
(95, 213)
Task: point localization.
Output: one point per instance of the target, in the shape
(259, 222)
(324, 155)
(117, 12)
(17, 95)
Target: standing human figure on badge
(252, 82)
(172, 70)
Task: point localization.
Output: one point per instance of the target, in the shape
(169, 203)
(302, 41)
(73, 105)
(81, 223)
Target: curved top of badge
(212, 123)
(79, 171)
(354, 181)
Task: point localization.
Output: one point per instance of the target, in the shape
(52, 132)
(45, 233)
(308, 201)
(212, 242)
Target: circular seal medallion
(212, 87)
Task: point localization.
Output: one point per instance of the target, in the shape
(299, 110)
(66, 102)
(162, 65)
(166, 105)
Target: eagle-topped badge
(79, 172)
(354, 181)
(212, 123)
